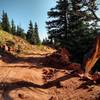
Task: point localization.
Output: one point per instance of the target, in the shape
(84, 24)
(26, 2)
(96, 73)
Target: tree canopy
(73, 24)
(5, 24)
(32, 35)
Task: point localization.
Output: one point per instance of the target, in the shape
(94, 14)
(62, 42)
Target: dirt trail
(22, 79)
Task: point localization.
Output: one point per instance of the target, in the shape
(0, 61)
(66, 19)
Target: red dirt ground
(22, 78)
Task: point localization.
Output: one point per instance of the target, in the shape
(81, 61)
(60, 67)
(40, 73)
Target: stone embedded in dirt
(5, 47)
(48, 71)
(48, 74)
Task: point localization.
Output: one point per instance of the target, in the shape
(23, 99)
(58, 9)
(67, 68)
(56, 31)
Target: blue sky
(21, 11)
(24, 10)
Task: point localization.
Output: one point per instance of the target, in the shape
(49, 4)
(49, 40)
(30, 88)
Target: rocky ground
(26, 78)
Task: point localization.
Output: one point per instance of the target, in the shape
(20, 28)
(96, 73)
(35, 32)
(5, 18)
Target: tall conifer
(71, 25)
(30, 33)
(13, 27)
(36, 34)
(5, 22)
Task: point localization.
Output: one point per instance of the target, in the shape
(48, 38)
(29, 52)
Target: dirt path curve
(21, 78)
(26, 69)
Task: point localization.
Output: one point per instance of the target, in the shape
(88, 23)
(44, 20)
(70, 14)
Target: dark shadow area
(7, 57)
(87, 83)
(55, 63)
(57, 81)
(12, 59)
(96, 67)
(7, 87)
(34, 61)
(21, 84)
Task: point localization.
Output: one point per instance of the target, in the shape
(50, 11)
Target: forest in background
(64, 66)
(32, 34)
(71, 24)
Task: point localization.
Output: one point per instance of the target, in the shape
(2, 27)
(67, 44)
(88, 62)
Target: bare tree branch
(96, 17)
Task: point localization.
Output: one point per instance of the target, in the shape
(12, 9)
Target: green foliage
(0, 26)
(13, 27)
(30, 34)
(69, 26)
(45, 41)
(57, 25)
(20, 32)
(5, 25)
(1, 42)
(5, 22)
(6, 38)
(37, 39)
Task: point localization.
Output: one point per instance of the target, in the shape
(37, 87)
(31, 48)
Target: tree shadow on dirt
(12, 59)
(34, 61)
(7, 87)
(88, 83)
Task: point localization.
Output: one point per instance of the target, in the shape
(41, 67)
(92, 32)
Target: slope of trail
(17, 42)
(22, 78)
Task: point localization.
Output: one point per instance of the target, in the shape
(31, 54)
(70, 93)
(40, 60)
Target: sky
(22, 11)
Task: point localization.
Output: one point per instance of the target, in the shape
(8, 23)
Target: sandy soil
(23, 79)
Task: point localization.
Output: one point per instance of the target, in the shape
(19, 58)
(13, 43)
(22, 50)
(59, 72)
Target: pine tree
(20, 32)
(82, 32)
(70, 26)
(57, 27)
(5, 22)
(45, 41)
(30, 34)
(13, 27)
(0, 25)
(37, 39)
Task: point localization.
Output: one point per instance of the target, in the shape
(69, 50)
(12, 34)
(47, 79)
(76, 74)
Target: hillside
(17, 42)
(25, 77)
